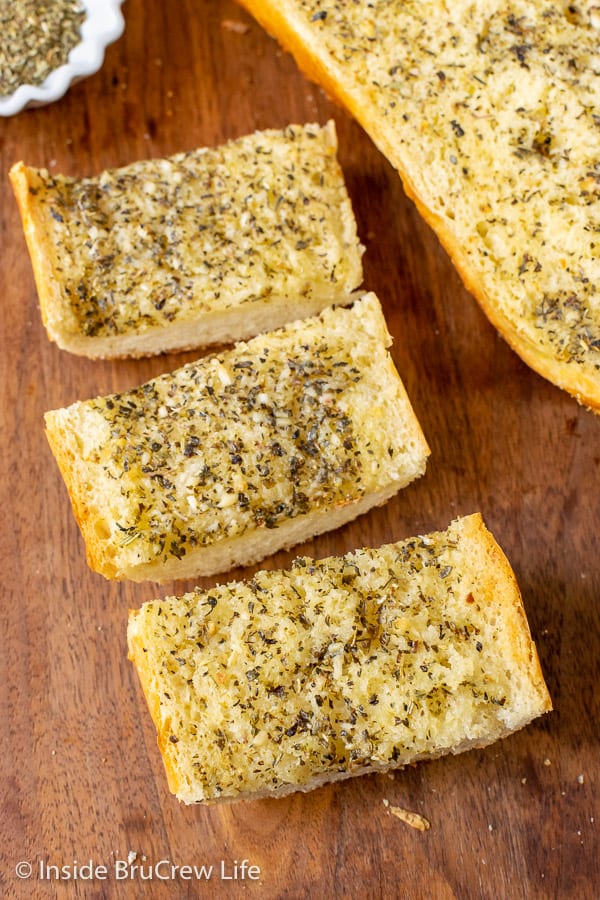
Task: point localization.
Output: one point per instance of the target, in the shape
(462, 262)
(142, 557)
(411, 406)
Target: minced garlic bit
(36, 37)
(414, 819)
(495, 107)
(164, 240)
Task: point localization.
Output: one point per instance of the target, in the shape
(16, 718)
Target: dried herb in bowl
(36, 37)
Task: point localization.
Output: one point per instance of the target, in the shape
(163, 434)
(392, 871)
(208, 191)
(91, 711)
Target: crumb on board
(580, 779)
(547, 762)
(235, 26)
(414, 819)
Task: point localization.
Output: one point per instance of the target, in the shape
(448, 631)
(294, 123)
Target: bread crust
(25, 182)
(494, 583)
(284, 21)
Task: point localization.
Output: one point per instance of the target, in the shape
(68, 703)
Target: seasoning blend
(36, 38)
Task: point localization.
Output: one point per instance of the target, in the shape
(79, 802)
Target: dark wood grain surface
(82, 779)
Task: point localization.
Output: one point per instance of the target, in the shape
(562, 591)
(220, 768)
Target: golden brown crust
(25, 181)
(138, 656)
(499, 575)
(287, 24)
(63, 443)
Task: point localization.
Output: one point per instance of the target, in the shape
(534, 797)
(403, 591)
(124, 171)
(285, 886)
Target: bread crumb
(235, 26)
(415, 820)
(580, 779)
(523, 781)
(547, 762)
(131, 857)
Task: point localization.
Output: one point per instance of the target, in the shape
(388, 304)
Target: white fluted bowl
(102, 25)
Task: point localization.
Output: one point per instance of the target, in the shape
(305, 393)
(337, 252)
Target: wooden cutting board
(82, 780)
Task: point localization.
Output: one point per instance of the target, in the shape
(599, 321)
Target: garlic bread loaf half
(339, 667)
(210, 246)
(489, 112)
(233, 457)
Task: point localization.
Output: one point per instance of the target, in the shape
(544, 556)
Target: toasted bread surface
(338, 667)
(239, 454)
(488, 112)
(209, 246)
